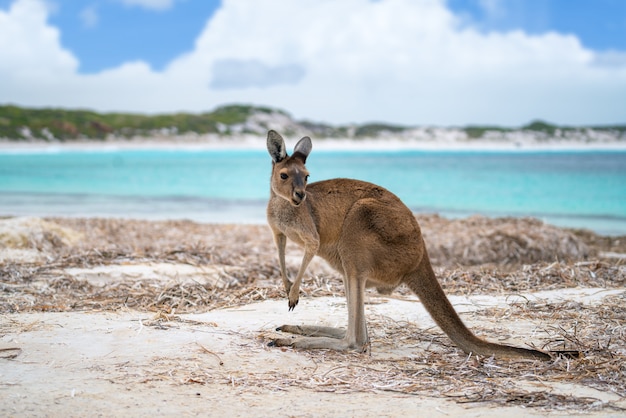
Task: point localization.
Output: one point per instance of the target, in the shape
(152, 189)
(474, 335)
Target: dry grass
(503, 256)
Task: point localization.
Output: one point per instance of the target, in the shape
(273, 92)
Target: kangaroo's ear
(276, 146)
(303, 148)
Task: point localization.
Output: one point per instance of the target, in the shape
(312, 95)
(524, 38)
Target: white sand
(257, 142)
(117, 364)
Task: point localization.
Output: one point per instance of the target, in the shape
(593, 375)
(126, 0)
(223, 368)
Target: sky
(409, 62)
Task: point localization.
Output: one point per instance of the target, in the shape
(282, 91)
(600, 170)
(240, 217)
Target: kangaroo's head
(289, 174)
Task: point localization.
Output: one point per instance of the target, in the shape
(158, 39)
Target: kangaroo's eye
(306, 178)
(284, 176)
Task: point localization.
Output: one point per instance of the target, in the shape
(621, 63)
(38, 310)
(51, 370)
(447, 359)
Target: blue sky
(107, 33)
(404, 61)
(599, 24)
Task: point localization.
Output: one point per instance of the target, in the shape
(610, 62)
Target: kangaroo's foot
(316, 337)
(313, 331)
(319, 343)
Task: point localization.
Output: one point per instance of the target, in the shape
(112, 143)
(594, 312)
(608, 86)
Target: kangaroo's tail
(425, 285)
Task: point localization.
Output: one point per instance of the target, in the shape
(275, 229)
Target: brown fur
(368, 235)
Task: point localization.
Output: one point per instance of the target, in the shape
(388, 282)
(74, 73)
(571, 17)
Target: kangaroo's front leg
(281, 244)
(294, 292)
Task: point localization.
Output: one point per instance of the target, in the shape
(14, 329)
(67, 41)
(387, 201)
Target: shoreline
(257, 143)
(225, 212)
(253, 212)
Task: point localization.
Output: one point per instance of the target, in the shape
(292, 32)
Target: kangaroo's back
(363, 223)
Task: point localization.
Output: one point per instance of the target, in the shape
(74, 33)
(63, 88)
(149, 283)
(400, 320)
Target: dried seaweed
(496, 256)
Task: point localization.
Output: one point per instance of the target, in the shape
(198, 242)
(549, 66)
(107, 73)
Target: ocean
(582, 189)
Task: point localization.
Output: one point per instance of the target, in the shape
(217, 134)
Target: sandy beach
(137, 318)
(438, 142)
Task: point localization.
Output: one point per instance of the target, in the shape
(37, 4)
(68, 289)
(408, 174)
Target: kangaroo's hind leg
(313, 331)
(314, 337)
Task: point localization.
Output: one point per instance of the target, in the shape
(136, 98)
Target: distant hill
(61, 124)
(48, 124)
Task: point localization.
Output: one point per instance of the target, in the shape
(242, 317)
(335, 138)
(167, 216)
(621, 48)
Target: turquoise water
(579, 189)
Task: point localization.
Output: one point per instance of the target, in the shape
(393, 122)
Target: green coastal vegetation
(25, 123)
(57, 124)
(542, 127)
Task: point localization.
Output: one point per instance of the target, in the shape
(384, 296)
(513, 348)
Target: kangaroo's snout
(298, 197)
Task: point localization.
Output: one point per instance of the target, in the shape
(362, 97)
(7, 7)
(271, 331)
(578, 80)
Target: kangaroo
(369, 236)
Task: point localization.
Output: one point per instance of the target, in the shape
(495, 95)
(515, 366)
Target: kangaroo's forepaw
(294, 297)
(288, 284)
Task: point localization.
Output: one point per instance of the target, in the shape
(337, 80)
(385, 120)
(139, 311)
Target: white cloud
(493, 8)
(237, 74)
(403, 61)
(150, 4)
(89, 16)
(611, 58)
(30, 49)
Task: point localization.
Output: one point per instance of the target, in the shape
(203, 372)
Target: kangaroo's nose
(300, 194)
